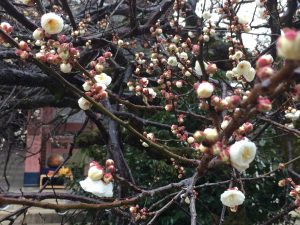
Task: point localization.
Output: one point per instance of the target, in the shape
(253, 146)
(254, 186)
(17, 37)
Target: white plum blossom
(181, 20)
(238, 55)
(243, 19)
(242, 153)
(183, 55)
(229, 74)
(103, 78)
(152, 93)
(172, 61)
(292, 115)
(95, 172)
(224, 124)
(98, 187)
(65, 67)
(52, 23)
(205, 90)
(84, 104)
(243, 67)
(86, 86)
(249, 76)
(232, 198)
(38, 34)
(205, 37)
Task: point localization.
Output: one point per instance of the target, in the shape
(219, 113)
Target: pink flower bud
(264, 72)
(234, 100)
(212, 68)
(62, 38)
(93, 64)
(293, 193)
(23, 45)
(296, 92)
(216, 148)
(107, 178)
(6, 27)
(224, 155)
(103, 95)
(248, 127)
(264, 104)
(264, 60)
(111, 168)
(144, 81)
(109, 162)
(282, 183)
(24, 55)
(215, 100)
(41, 56)
(133, 209)
(168, 107)
(288, 44)
(74, 52)
(107, 54)
(53, 59)
(195, 49)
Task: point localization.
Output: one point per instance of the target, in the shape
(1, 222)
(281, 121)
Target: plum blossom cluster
(149, 136)
(292, 115)
(205, 141)
(180, 169)
(96, 81)
(237, 23)
(179, 14)
(181, 133)
(82, 27)
(7, 28)
(294, 192)
(261, 9)
(99, 180)
(243, 70)
(209, 31)
(264, 67)
(138, 213)
(241, 132)
(141, 88)
(51, 51)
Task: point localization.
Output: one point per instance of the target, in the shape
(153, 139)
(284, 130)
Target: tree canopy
(194, 106)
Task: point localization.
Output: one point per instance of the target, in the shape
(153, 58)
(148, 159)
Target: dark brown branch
(66, 7)
(280, 215)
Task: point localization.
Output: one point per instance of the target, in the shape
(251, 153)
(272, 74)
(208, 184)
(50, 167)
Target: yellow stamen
(246, 154)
